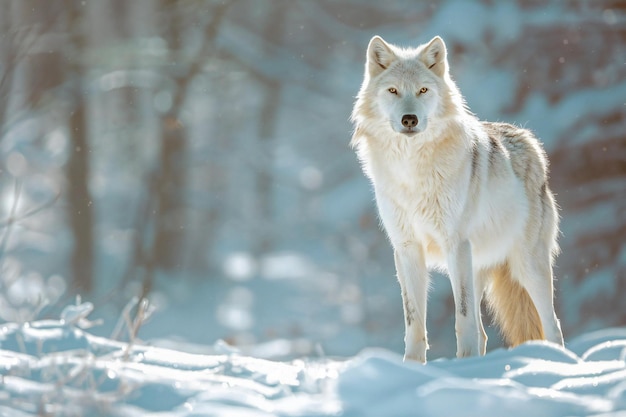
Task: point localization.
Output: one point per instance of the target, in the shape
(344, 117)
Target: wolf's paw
(471, 343)
(416, 358)
(416, 352)
(466, 352)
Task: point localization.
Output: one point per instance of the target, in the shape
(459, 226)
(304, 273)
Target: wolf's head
(405, 89)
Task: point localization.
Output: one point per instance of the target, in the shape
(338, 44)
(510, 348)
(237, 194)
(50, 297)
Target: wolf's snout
(409, 120)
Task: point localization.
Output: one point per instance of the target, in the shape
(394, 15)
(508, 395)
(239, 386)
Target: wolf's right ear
(379, 56)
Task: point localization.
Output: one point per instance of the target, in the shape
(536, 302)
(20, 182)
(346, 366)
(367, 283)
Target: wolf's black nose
(409, 120)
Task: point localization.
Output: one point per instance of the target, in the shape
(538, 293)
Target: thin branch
(210, 33)
(17, 52)
(9, 223)
(14, 219)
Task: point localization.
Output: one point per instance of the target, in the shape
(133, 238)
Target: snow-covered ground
(53, 367)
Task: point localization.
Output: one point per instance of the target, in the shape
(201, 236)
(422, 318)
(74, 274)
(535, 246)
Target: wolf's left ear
(379, 56)
(434, 56)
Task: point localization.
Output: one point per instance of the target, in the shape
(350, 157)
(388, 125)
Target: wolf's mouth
(410, 131)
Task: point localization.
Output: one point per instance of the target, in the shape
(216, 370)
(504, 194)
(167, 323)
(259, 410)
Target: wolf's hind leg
(481, 279)
(413, 278)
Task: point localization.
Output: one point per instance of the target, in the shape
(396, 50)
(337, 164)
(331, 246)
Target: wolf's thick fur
(467, 197)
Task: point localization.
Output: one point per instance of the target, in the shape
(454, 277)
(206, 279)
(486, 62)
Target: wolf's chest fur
(422, 184)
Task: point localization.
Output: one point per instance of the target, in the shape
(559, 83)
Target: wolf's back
(528, 159)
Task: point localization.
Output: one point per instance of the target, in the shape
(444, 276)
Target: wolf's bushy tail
(512, 308)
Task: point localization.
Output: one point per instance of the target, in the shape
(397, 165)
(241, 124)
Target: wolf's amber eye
(423, 90)
(393, 90)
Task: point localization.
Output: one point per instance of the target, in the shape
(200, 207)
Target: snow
(53, 367)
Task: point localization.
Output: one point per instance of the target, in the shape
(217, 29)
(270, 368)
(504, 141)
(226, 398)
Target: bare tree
(79, 207)
(268, 117)
(7, 63)
(162, 221)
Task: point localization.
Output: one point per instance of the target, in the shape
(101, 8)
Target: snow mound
(56, 368)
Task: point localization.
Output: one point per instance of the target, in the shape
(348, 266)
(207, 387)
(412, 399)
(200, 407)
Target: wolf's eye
(393, 90)
(423, 90)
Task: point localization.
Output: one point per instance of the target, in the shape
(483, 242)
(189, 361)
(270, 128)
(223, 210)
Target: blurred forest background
(196, 152)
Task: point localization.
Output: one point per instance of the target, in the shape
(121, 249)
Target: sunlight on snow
(544, 368)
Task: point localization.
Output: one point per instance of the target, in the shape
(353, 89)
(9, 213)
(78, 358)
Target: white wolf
(459, 195)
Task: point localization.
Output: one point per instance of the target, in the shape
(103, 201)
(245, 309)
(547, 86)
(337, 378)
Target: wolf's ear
(379, 56)
(434, 56)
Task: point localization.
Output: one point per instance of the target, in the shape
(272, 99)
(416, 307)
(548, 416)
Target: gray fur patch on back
(495, 148)
(522, 149)
(475, 156)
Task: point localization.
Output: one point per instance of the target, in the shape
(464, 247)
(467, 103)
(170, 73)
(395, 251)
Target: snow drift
(56, 368)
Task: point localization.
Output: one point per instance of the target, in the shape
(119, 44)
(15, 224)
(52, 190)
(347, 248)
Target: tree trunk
(79, 208)
(172, 174)
(267, 131)
(7, 65)
(172, 178)
(171, 183)
(79, 199)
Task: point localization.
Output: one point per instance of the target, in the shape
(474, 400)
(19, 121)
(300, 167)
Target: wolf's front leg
(413, 277)
(467, 290)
